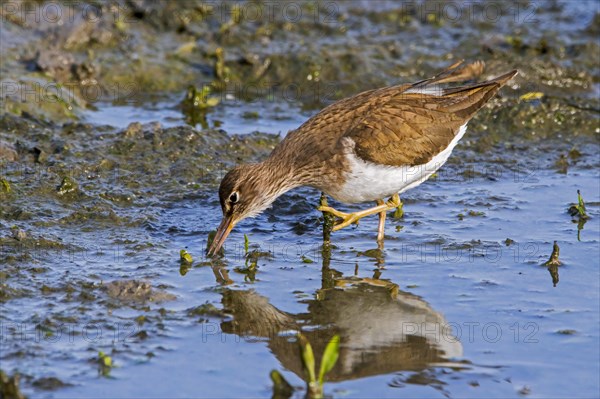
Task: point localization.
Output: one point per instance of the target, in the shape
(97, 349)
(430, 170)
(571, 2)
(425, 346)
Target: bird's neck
(278, 174)
(285, 169)
(268, 180)
(294, 162)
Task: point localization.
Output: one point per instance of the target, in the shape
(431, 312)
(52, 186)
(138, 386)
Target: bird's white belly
(367, 181)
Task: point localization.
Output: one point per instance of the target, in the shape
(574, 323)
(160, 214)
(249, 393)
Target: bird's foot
(346, 218)
(333, 211)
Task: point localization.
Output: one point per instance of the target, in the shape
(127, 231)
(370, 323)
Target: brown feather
(411, 128)
(389, 126)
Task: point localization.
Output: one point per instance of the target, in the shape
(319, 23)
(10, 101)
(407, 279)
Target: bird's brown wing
(389, 125)
(342, 115)
(406, 127)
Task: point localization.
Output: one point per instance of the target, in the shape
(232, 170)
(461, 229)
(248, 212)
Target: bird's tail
(456, 72)
(466, 100)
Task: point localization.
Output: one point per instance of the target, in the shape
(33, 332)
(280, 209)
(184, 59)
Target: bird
(368, 147)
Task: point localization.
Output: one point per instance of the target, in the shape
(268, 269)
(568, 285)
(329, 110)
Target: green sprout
(306, 259)
(579, 208)
(399, 212)
(4, 185)
(249, 270)
(200, 99)
(581, 205)
(105, 363)
(185, 256)
(251, 263)
(185, 260)
(554, 261)
(250, 267)
(579, 212)
(222, 72)
(246, 244)
(330, 357)
(196, 103)
(281, 388)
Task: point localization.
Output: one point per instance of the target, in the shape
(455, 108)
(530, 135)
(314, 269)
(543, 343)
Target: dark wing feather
(342, 115)
(411, 128)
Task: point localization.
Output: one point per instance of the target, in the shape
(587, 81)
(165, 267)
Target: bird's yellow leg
(333, 211)
(349, 218)
(381, 226)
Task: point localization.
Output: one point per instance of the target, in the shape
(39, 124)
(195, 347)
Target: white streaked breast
(367, 181)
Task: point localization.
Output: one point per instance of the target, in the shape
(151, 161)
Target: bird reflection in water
(383, 329)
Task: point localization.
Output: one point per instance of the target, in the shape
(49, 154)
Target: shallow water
(458, 303)
(233, 116)
(447, 308)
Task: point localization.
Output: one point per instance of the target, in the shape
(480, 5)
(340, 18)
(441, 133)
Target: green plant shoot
(185, 256)
(330, 357)
(308, 358)
(581, 204)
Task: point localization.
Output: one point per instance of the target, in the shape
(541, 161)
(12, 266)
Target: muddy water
(457, 303)
(98, 204)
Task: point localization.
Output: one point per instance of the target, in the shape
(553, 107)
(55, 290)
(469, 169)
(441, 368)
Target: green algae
(205, 310)
(67, 186)
(135, 291)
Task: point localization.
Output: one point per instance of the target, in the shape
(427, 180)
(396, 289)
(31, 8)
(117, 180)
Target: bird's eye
(234, 197)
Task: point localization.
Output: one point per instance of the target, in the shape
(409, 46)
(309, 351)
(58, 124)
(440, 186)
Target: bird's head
(245, 191)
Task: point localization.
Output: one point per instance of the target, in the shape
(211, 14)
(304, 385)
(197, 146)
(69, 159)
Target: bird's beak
(223, 231)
